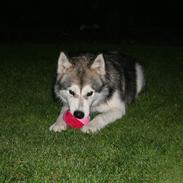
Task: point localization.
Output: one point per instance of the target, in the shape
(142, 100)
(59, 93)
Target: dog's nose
(79, 114)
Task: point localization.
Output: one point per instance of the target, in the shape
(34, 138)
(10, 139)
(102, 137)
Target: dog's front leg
(60, 124)
(103, 119)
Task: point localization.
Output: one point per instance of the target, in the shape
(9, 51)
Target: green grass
(146, 146)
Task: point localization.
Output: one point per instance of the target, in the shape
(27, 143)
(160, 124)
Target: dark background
(92, 20)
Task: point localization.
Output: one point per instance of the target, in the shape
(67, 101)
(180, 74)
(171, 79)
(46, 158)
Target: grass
(145, 146)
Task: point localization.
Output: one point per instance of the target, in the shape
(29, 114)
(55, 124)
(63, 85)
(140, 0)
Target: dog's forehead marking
(81, 91)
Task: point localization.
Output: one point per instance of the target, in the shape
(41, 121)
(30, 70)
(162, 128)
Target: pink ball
(75, 122)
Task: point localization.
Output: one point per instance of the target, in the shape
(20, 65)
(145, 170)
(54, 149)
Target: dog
(104, 83)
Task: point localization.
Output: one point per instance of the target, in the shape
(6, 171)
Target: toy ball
(75, 122)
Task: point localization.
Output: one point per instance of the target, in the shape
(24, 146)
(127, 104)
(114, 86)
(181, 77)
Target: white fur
(60, 124)
(114, 102)
(139, 78)
(110, 111)
(79, 101)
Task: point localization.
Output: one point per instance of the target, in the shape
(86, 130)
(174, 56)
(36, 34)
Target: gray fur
(113, 78)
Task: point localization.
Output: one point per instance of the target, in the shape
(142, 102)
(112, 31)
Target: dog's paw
(89, 129)
(92, 127)
(58, 127)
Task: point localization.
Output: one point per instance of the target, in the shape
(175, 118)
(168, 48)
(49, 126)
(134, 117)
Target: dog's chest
(114, 102)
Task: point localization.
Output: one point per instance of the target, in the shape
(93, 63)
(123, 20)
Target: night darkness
(95, 20)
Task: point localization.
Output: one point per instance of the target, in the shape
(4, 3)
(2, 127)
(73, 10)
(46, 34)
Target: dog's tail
(140, 79)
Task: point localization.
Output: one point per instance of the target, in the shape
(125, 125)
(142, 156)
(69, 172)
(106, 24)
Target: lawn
(145, 146)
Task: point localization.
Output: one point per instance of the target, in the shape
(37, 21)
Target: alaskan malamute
(105, 83)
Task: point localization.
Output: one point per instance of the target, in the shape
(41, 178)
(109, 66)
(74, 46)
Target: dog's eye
(71, 92)
(89, 94)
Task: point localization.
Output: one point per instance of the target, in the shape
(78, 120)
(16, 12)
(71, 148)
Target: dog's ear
(99, 64)
(63, 63)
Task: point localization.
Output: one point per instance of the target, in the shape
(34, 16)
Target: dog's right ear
(99, 64)
(63, 63)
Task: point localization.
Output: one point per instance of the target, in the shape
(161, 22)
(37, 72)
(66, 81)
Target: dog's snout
(79, 114)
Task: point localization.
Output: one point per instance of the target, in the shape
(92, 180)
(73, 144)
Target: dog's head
(81, 82)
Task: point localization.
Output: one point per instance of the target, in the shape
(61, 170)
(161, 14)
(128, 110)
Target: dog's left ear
(99, 64)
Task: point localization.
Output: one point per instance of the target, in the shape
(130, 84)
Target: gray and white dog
(103, 83)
